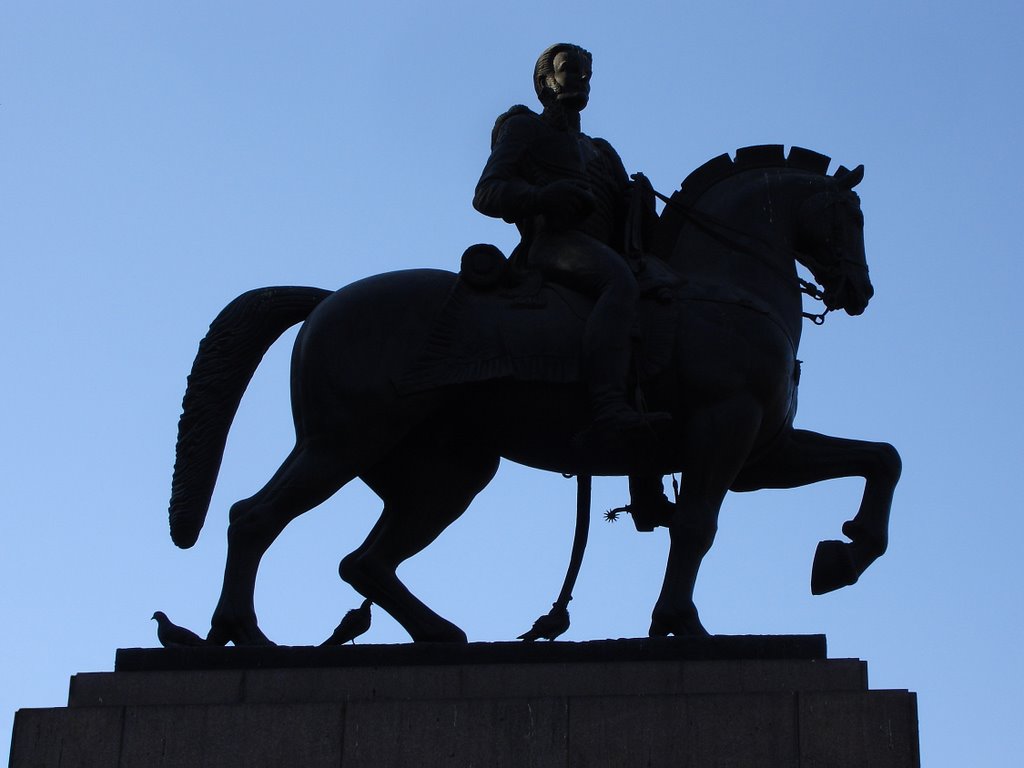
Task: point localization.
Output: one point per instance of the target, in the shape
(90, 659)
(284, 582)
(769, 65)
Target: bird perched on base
(171, 635)
(352, 625)
(550, 625)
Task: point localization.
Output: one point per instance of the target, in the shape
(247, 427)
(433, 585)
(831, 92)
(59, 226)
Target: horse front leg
(692, 532)
(803, 457)
(718, 442)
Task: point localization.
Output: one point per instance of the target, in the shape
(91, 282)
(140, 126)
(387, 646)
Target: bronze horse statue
(729, 327)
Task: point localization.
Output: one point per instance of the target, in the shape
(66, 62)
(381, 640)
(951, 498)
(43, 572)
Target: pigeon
(171, 635)
(550, 625)
(353, 624)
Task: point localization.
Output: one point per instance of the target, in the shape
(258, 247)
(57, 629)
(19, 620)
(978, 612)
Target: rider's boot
(616, 422)
(607, 349)
(612, 417)
(648, 505)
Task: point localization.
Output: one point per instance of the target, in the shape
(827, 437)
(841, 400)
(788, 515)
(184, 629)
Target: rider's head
(562, 75)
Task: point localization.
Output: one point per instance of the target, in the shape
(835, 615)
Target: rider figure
(570, 197)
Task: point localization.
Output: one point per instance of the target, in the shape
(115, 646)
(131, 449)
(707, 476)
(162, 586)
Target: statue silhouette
(418, 382)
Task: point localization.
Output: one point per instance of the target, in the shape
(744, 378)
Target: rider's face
(572, 76)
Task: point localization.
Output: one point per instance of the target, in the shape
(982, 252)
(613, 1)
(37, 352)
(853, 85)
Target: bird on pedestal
(353, 624)
(171, 635)
(550, 625)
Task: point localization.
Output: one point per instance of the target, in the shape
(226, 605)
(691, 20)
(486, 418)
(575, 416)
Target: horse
(730, 239)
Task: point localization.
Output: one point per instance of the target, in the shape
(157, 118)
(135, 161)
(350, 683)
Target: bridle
(738, 239)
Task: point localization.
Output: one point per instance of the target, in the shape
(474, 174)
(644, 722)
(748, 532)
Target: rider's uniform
(530, 151)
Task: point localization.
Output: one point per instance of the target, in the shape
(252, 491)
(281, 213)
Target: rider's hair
(545, 67)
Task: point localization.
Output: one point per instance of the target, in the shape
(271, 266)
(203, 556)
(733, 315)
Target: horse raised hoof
(872, 544)
(833, 567)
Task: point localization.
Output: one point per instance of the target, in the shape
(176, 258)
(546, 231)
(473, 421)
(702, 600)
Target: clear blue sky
(157, 159)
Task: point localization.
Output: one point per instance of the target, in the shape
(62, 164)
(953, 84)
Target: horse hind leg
(312, 473)
(421, 499)
(805, 457)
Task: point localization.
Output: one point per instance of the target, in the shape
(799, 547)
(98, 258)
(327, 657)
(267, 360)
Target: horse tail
(227, 358)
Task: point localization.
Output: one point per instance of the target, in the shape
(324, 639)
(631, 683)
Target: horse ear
(848, 178)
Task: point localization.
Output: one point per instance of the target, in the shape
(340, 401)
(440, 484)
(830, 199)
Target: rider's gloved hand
(642, 181)
(565, 202)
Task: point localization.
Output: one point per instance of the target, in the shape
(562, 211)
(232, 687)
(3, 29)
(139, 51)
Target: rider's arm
(502, 192)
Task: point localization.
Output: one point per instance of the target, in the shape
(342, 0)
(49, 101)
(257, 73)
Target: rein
(733, 237)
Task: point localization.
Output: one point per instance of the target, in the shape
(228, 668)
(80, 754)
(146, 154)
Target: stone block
(508, 733)
(253, 736)
(741, 730)
(82, 738)
(475, 681)
(744, 675)
(569, 680)
(730, 702)
(353, 683)
(845, 730)
(716, 647)
(123, 688)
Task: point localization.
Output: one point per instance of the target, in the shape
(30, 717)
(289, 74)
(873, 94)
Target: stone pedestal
(720, 701)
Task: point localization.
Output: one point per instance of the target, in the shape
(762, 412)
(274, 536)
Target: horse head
(830, 241)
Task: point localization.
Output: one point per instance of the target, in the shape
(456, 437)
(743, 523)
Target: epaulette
(513, 111)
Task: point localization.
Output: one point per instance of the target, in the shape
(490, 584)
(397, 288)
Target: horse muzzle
(849, 295)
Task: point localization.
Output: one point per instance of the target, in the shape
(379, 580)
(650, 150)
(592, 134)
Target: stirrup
(649, 513)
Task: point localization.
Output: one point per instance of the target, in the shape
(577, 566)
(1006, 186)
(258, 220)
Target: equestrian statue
(613, 341)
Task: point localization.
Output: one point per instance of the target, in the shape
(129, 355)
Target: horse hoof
(221, 634)
(658, 629)
(449, 633)
(665, 623)
(833, 567)
(218, 635)
(872, 545)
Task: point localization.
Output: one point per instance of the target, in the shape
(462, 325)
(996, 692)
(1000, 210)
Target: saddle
(504, 320)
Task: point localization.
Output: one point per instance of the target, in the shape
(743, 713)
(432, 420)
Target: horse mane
(718, 169)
